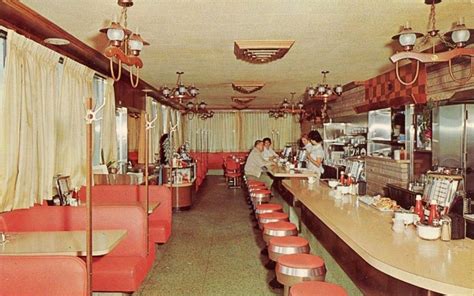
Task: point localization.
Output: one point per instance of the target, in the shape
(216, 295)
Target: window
(99, 96)
(122, 132)
(3, 54)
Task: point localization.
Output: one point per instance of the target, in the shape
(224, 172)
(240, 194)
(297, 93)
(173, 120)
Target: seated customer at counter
(268, 152)
(254, 167)
(315, 158)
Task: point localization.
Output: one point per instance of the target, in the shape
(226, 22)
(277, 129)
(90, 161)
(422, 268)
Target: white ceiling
(352, 39)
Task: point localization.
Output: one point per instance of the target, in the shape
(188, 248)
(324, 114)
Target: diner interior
(252, 147)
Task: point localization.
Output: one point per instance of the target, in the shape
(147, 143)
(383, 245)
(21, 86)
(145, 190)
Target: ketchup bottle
(342, 179)
(433, 212)
(419, 208)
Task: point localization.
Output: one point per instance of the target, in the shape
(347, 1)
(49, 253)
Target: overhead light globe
(407, 39)
(115, 34)
(460, 34)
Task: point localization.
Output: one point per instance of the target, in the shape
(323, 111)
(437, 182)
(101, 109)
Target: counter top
(281, 172)
(444, 267)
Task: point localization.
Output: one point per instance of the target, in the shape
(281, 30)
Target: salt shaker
(445, 228)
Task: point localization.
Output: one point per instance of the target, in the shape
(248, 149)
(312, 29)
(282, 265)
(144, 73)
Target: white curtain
(42, 118)
(76, 86)
(154, 110)
(218, 134)
(237, 131)
(27, 133)
(258, 125)
(108, 124)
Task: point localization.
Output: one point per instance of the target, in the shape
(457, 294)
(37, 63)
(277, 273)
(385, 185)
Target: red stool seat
(289, 241)
(268, 208)
(296, 268)
(233, 175)
(257, 188)
(301, 260)
(272, 217)
(281, 225)
(260, 192)
(255, 182)
(278, 229)
(314, 288)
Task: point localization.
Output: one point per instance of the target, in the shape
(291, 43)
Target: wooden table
(379, 260)
(281, 172)
(67, 243)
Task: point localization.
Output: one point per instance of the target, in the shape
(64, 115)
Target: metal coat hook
(91, 115)
(173, 128)
(149, 124)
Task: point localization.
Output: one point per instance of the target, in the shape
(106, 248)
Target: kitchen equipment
(428, 232)
(453, 141)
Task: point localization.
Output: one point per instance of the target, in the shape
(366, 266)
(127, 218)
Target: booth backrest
(159, 193)
(55, 218)
(42, 275)
(112, 193)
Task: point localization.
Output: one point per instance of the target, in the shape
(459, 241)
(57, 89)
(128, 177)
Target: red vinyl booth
(121, 270)
(161, 219)
(43, 275)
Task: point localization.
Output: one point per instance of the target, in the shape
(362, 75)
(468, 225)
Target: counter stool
(296, 268)
(316, 288)
(253, 189)
(271, 217)
(285, 245)
(267, 208)
(260, 196)
(254, 182)
(278, 229)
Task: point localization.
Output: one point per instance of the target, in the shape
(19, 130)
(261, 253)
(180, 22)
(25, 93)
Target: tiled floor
(213, 249)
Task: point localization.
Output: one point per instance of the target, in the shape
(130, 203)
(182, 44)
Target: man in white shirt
(254, 167)
(268, 153)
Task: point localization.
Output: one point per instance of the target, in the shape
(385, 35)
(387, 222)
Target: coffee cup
(311, 180)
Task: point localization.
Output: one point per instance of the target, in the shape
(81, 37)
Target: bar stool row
(297, 271)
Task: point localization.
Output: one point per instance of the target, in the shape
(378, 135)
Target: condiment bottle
(402, 154)
(342, 178)
(349, 179)
(419, 208)
(433, 212)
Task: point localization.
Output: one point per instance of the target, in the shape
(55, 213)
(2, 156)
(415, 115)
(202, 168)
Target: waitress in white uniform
(315, 158)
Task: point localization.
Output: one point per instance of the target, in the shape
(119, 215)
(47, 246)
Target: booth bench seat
(121, 270)
(159, 220)
(43, 275)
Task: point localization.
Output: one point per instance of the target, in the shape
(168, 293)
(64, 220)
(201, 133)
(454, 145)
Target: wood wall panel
(440, 86)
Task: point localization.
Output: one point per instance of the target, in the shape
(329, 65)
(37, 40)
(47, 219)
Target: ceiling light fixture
(323, 91)
(455, 41)
(247, 87)
(287, 107)
(124, 45)
(180, 92)
(261, 51)
(200, 110)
